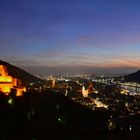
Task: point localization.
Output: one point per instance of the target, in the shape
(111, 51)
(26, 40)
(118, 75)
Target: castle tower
(3, 71)
(85, 92)
(53, 83)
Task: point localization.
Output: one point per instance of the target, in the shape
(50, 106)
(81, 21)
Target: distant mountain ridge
(16, 72)
(133, 77)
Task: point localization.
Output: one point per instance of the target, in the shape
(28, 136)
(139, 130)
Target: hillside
(133, 77)
(16, 72)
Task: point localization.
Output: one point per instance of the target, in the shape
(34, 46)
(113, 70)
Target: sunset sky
(71, 36)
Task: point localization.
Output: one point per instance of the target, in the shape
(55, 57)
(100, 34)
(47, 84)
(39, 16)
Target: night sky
(71, 36)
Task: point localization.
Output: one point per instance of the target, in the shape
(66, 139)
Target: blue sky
(71, 36)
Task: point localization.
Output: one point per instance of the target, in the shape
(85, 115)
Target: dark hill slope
(16, 72)
(133, 77)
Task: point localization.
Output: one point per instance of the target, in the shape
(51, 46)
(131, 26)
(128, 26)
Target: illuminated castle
(7, 83)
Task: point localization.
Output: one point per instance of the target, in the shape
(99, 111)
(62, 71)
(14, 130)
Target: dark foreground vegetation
(43, 116)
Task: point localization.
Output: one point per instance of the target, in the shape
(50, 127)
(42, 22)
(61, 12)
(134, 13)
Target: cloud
(108, 39)
(85, 38)
(76, 63)
(63, 58)
(77, 70)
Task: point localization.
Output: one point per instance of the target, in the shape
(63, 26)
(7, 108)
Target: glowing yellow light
(124, 91)
(5, 79)
(6, 88)
(10, 101)
(19, 93)
(85, 92)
